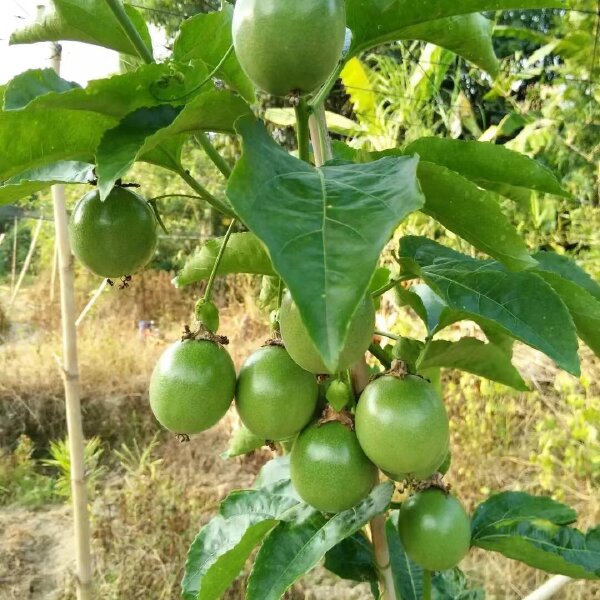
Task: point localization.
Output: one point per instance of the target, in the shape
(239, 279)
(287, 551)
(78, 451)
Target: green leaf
(324, 228)
(521, 304)
(223, 545)
(27, 86)
(244, 253)
(584, 308)
(91, 21)
(425, 302)
(453, 585)
(293, 548)
(242, 442)
(469, 36)
(35, 137)
(487, 164)
(408, 576)
(116, 96)
(207, 37)
(352, 559)
(473, 356)
(276, 470)
(35, 180)
(374, 23)
(533, 530)
(286, 117)
(146, 128)
(568, 269)
(120, 146)
(473, 214)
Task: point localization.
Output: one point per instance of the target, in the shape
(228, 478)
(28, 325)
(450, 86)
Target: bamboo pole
(70, 374)
(25, 267)
(91, 302)
(548, 589)
(54, 272)
(321, 144)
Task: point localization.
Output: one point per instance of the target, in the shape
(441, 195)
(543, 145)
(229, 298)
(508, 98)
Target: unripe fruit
(402, 426)
(192, 386)
(113, 238)
(329, 469)
(275, 398)
(285, 46)
(434, 529)
(301, 347)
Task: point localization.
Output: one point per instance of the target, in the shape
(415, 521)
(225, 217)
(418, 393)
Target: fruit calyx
(330, 415)
(275, 340)
(202, 333)
(435, 481)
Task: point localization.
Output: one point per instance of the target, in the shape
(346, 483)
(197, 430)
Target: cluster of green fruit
(398, 426)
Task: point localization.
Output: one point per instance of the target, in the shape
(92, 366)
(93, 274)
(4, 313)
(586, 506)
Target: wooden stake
(54, 271)
(25, 267)
(70, 370)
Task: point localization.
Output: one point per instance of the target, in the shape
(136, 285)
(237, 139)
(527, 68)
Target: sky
(80, 62)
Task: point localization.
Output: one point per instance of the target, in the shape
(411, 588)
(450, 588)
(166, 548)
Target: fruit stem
(426, 585)
(322, 94)
(117, 8)
(382, 558)
(302, 132)
(276, 327)
(378, 352)
(215, 268)
(212, 153)
(205, 194)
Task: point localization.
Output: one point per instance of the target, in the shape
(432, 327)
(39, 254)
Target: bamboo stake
(548, 589)
(54, 271)
(321, 144)
(13, 271)
(25, 267)
(70, 373)
(91, 302)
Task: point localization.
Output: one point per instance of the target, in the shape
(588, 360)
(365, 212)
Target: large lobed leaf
(534, 530)
(36, 180)
(521, 305)
(90, 21)
(382, 21)
(244, 253)
(296, 546)
(324, 228)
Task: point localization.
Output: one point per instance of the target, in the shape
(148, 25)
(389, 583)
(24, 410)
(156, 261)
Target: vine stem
(205, 194)
(426, 585)
(213, 273)
(213, 154)
(380, 355)
(387, 334)
(132, 33)
(388, 286)
(302, 130)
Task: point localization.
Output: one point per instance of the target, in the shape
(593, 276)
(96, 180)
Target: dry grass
(152, 505)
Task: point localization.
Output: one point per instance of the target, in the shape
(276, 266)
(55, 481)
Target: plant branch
(302, 131)
(388, 286)
(380, 355)
(213, 273)
(132, 33)
(387, 334)
(426, 585)
(205, 194)
(212, 153)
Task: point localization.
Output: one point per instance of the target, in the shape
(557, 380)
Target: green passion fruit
(301, 347)
(434, 529)
(286, 46)
(275, 398)
(113, 238)
(329, 469)
(192, 386)
(402, 425)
